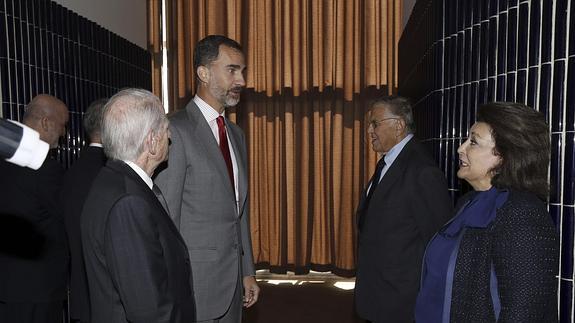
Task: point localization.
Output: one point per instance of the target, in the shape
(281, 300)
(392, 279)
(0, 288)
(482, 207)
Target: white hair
(129, 116)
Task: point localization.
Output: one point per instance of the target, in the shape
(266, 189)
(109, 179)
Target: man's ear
(400, 125)
(203, 73)
(45, 123)
(42, 125)
(152, 143)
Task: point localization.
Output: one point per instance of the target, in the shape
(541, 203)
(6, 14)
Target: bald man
(49, 116)
(33, 250)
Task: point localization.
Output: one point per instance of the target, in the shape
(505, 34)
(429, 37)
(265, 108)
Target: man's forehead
(229, 54)
(378, 110)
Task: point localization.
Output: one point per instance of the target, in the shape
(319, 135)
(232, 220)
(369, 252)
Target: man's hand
(251, 291)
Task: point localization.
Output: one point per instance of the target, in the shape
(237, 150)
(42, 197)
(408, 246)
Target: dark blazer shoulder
(128, 177)
(523, 198)
(51, 165)
(115, 181)
(418, 153)
(86, 167)
(94, 154)
(521, 232)
(523, 208)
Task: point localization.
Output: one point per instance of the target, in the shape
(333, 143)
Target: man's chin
(230, 103)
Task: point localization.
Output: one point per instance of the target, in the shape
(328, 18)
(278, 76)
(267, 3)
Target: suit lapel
(395, 170)
(123, 168)
(391, 176)
(201, 129)
(242, 165)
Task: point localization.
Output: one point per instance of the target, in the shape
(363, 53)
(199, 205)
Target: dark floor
(302, 299)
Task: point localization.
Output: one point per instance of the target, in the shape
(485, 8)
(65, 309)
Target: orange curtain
(312, 68)
(155, 43)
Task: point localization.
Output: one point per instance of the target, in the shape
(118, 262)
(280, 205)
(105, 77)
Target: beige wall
(127, 18)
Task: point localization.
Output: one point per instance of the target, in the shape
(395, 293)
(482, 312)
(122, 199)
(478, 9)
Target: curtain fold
(313, 65)
(306, 175)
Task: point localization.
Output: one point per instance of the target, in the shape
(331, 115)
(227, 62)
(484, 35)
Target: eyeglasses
(374, 123)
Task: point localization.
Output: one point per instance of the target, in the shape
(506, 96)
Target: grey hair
(399, 107)
(93, 117)
(129, 116)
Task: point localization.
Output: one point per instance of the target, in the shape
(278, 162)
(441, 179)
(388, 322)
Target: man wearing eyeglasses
(404, 204)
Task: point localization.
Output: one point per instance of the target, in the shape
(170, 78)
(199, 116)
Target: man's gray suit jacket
(202, 203)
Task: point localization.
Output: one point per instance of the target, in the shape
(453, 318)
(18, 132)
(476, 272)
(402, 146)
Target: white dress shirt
(210, 114)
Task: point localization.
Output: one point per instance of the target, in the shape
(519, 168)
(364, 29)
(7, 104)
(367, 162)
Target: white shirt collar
(210, 114)
(140, 173)
(395, 150)
(95, 144)
(391, 155)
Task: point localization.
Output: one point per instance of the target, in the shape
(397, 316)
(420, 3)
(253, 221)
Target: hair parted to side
(521, 137)
(129, 116)
(93, 117)
(208, 49)
(399, 107)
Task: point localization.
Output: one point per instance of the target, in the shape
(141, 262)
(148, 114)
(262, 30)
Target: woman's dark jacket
(523, 246)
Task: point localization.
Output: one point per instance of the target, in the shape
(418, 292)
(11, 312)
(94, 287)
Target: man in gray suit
(206, 188)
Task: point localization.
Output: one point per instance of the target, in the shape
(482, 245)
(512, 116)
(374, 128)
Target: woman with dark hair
(497, 259)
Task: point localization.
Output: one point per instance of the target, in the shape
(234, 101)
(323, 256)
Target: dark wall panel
(46, 48)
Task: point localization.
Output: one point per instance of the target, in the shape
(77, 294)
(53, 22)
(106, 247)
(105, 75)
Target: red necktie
(225, 148)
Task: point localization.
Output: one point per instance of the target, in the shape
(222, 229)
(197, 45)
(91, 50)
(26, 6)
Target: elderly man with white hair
(137, 263)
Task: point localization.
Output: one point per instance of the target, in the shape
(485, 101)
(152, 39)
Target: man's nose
(460, 148)
(241, 80)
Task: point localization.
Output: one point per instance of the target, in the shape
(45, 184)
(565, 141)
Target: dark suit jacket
(522, 245)
(33, 248)
(77, 182)
(137, 262)
(408, 207)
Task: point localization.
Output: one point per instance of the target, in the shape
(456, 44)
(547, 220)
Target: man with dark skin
(34, 271)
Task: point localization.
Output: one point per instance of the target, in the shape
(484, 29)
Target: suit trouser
(49, 312)
(234, 312)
